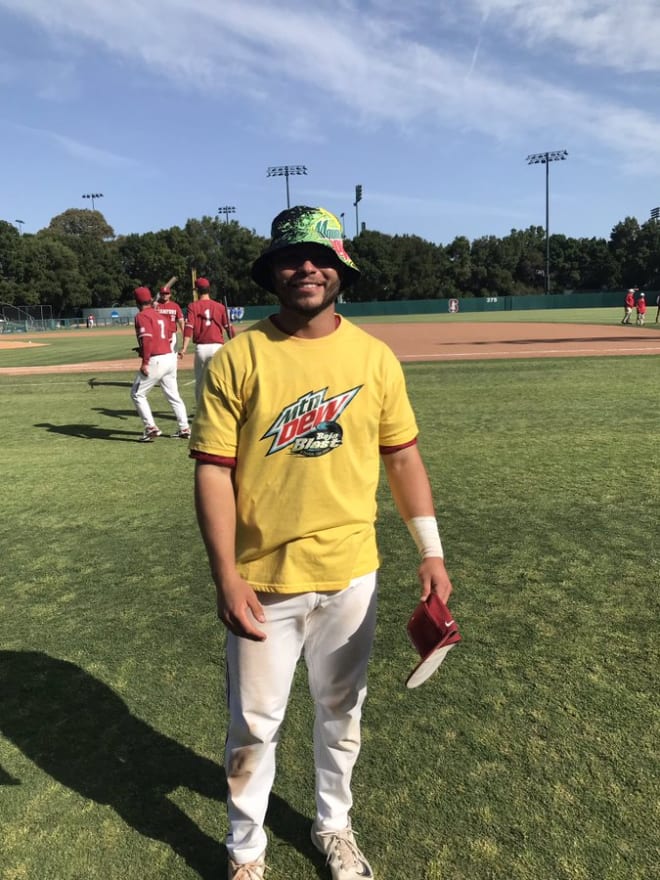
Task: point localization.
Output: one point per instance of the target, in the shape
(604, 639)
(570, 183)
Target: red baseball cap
(202, 284)
(142, 295)
(165, 290)
(433, 632)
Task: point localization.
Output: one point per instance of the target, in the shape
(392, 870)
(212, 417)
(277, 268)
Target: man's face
(306, 278)
(165, 295)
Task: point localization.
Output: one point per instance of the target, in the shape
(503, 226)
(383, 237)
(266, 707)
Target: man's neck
(315, 327)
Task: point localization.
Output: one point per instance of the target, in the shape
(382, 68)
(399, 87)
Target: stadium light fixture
(655, 214)
(545, 159)
(286, 171)
(92, 196)
(227, 210)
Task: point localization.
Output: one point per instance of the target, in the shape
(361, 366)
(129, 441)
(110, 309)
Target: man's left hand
(434, 578)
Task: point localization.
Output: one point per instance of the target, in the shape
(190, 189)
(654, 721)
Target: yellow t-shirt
(304, 420)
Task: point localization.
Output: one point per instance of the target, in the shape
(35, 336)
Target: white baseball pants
(203, 354)
(162, 369)
(334, 632)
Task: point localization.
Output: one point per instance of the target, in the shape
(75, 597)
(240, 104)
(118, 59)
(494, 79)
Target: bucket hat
(304, 225)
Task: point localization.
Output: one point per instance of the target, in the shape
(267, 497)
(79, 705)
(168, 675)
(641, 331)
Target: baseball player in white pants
(295, 418)
(158, 367)
(334, 632)
(207, 324)
(203, 353)
(162, 371)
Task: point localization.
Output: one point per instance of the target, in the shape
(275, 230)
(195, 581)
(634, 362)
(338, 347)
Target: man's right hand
(238, 608)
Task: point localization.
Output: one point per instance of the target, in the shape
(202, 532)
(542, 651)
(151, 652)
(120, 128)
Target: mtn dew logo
(328, 227)
(309, 425)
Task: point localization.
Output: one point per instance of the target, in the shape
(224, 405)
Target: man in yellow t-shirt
(294, 418)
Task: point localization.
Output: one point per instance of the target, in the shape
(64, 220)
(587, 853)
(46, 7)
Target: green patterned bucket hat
(303, 225)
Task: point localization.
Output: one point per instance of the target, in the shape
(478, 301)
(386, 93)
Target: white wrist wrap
(424, 531)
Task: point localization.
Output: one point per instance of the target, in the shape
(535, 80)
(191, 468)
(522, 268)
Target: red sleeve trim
(208, 458)
(388, 450)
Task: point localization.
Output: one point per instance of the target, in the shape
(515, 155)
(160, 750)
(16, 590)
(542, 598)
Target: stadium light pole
(358, 198)
(19, 223)
(545, 159)
(92, 196)
(227, 210)
(286, 171)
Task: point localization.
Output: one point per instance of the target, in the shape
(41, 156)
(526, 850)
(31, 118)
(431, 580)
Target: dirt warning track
(449, 342)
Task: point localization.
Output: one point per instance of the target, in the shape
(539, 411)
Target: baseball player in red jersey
(158, 366)
(641, 309)
(166, 306)
(628, 305)
(206, 323)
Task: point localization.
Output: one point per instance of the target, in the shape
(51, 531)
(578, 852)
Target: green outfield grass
(532, 753)
(55, 347)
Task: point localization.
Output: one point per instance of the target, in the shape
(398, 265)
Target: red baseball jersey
(630, 300)
(173, 311)
(153, 334)
(205, 321)
(641, 306)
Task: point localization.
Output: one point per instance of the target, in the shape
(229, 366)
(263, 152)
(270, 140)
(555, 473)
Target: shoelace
(250, 871)
(346, 850)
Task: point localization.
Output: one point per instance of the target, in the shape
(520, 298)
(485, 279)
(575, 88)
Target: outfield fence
(22, 319)
(487, 304)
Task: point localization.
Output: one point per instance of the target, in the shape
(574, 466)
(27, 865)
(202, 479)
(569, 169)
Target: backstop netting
(25, 319)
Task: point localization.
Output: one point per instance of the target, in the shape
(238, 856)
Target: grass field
(531, 755)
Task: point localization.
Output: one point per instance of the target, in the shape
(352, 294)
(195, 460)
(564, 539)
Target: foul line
(530, 353)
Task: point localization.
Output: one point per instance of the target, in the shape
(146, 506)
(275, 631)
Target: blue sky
(175, 108)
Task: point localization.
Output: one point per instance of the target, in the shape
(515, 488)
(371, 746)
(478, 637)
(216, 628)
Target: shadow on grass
(123, 414)
(80, 732)
(95, 383)
(6, 778)
(91, 432)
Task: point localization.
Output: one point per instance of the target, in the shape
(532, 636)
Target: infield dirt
(441, 342)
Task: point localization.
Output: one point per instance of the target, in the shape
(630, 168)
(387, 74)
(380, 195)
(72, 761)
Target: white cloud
(609, 34)
(473, 68)
(75, 148)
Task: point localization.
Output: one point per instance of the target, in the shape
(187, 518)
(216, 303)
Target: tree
(648, 254)
(52, 276)
(460, 265)
(375, 257)
(79, 221)
(624, 247)
(148, 260)
(12, 263)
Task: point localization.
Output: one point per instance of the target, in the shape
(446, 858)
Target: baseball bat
(172, 280)
(230, 329)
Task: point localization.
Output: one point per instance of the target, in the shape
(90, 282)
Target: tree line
(78, 262)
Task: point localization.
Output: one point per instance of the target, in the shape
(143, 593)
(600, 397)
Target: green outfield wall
(123, 315)
(586, 300)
